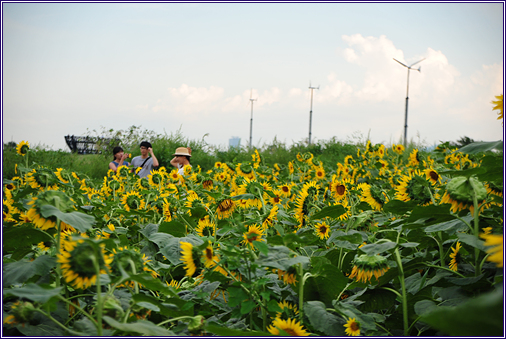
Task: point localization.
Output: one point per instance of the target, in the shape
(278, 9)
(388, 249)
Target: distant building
(234, 142)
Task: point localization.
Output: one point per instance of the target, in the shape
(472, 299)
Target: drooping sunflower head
(190, 256)
(460, 191)
(142, 184)
(289, 310)
(79, 260)
(254, 233)
(22, 148)
(20, 313)
(289, 277)
(352, 327)
(499, 106)
(269, 220)
(225, 208)
(414, 187)
(291, 326)
(322, 230)
(131, 261)
(367, 266)
(414, 159)
(123, 171)
(133, 201)
(455, 257)
(156, 178)
(374, 196)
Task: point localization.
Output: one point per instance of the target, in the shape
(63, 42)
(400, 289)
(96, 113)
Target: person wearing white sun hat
(181, 158)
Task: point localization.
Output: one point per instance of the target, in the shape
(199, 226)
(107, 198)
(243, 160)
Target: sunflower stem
(404, 297)
(99, 295)
(86, 314)
(444, 268)
(477, 267)
(59, 323)
(175, 319)
(344, 289)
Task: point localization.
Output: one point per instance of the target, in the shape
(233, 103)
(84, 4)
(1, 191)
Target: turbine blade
(417, 62)
(400, 62)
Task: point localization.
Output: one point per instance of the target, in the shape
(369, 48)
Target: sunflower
(322, 230)
(225, 208)
(432, 176)
(174, 175)
(338, 189)
(352, 327)
(319, 173)
(245, 170)
(287, 309)
(174, 284)
(205, 227)
(413, 187)
(22, 148)
(190, 258)
(78, 264)
(399, 149)
(285, 190)
(290, 326)
(499, 106)
(302, 208)
(455, 257)
(156, 178)
(414, 159)
(223, 177)
(269, 220)
(373, 196)
(21, 313)
(459, 193)
(290, 167)
(254, 233)
(132, 201)
(58, 174)
(367, 266)
(289, 277)
(495, 241)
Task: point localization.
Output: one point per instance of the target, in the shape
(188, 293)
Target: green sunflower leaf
(330, 211)
(482, 316)
(143, 327)
(451, 226)
(431, 214)
(399, 207)
(372, 249)
(173, 227)
(471, 240)
(322, 320)
(20, 271)
(80, 221)
(40, 293)
(477, 147)
(248, 306)
(20, 237)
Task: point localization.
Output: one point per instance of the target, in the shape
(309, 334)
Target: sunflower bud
(196, 323)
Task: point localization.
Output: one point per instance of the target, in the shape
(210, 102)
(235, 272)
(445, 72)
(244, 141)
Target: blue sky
(73, 67)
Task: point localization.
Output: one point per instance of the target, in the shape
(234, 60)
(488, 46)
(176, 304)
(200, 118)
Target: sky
(74, 68)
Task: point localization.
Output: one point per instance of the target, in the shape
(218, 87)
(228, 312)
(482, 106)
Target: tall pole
(251, 121)
(406, 113)
(311, 111)
(407, 99)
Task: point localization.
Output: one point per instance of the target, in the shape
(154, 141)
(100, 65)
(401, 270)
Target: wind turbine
(251, 121)
(311, 111)
(407, 97)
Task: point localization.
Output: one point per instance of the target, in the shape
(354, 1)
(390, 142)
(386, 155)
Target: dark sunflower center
(354, 326)
(284, 189)
(209, 254)
(433, 175)
(323, 229)
(291, 332)
(252, 237)
(340, 189)
(276, 199)
(225, 205)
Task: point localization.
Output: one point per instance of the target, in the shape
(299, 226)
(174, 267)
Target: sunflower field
(383, 244)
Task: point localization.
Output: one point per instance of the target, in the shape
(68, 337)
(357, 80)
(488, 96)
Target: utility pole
(407, 98)
(251, 121)
(311, 111)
